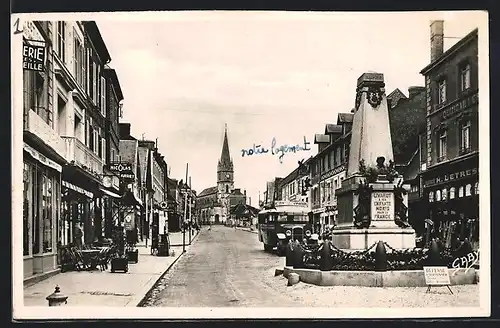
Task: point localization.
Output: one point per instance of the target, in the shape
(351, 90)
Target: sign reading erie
(382, 206)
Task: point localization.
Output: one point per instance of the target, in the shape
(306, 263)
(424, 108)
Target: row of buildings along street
(84, 174)
(436, 148)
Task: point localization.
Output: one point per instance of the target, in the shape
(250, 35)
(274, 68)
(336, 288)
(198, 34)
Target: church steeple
(225, 157)
(225, 170)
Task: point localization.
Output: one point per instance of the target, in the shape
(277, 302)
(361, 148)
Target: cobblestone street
(227, 267)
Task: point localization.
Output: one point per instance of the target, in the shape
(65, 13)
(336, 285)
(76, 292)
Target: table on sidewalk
(89, 257)
(103, 288)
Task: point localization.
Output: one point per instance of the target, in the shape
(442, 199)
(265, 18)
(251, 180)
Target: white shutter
(94, 80)
(103, 142)
(103, 96)
(96, 140)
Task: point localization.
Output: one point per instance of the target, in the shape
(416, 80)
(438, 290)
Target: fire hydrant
(57, 298)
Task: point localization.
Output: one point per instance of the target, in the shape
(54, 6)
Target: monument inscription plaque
(382, 206)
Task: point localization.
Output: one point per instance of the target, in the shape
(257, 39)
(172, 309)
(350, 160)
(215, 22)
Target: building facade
(111, 180)
(44, 156)
(328, 169)
(65, 109)
(451, 149)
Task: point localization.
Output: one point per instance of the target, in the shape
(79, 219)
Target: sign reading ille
(33, 57)
(382, 206)
(436, 276)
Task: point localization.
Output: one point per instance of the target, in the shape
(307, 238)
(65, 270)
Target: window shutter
(96, 141)
(103, 96)
(103, 148)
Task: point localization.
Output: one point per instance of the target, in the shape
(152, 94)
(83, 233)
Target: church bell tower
(225, 175)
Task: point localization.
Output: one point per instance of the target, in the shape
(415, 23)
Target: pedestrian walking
(78, 238)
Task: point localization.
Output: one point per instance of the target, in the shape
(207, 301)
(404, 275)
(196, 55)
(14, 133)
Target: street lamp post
(185, 211)
(190, 200)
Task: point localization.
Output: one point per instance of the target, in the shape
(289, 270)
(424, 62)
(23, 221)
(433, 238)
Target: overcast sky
(281, 75)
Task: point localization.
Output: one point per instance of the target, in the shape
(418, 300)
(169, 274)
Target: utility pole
(185, 211)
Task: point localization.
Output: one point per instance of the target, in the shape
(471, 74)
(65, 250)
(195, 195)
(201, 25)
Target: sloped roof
(237, 192)
(243, 210)
(395, 96)
(344, 118)
(208, 191)
(333, 129)
(407, 120)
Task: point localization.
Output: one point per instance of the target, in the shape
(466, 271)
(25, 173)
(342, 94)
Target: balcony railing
(441, 159)
(82, 156)
(36, 125)
(464, 150)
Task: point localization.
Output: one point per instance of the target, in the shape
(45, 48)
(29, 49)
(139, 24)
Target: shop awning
(77, 189)
(109, 193)
(41, 158)
(131, 199)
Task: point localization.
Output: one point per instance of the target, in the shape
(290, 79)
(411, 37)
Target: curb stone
(252, 231)
(187, 245)
(143, 295)
(139, 300)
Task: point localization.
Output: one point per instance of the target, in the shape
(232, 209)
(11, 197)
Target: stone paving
(103, 288)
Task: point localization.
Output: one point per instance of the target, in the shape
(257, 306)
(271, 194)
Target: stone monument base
(350, 238)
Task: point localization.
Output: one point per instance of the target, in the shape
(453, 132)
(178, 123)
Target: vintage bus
(286, 220)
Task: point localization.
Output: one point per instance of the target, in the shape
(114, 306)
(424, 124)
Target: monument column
(372, 201)
(371, 131)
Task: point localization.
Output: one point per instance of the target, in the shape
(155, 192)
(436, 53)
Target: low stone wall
(413, 278)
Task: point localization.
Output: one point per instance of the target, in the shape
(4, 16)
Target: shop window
(452, 192)
(47, 192)
(35, 219)
(461, 191)
(476, 188)
(438, 195)
(468, 190)
(26, 208)
(431, 196)
(444, 194)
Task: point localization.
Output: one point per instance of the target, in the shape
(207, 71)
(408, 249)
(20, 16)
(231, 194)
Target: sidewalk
(103, 288)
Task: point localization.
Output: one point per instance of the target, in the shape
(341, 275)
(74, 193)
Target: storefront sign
(82, 191)
(335, 171)
(128, 222)
(41, 158)
(382, 206)
(436, 276)
(120, 167)
(127, 176)
(290, 203)
(34, 57)
(459, 106)
(451, 177)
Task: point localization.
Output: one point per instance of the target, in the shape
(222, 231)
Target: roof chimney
(437, 39)
(415, 90)
(124, 130)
